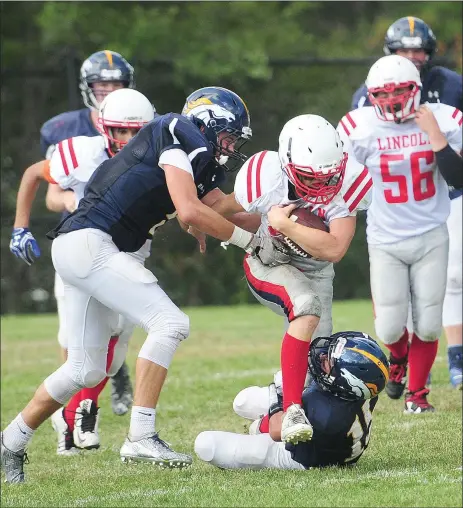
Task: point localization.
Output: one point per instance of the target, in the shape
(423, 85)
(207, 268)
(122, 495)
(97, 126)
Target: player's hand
(270, 251)
(427, 122)
(278, 216)
(69, 199)
(200, 236)
(24, 246)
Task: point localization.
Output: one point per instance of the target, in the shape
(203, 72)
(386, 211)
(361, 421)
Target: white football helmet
(123, 108)
(311, 154)
(387, 75)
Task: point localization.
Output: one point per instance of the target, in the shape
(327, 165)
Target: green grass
(411, 461)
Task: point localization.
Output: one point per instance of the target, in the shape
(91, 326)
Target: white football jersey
(262, 183)
(74, 161)
(410, 196)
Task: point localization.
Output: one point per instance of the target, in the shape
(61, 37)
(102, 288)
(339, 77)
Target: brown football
(306, 218)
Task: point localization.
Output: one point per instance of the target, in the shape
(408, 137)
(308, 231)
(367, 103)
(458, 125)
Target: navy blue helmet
(216, 110)
(410, 33)
(349, 364)
(100, 67)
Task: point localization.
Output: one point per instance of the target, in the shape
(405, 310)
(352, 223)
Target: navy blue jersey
(127, 195)
(439, 85)
(65, 126)
(341, 429)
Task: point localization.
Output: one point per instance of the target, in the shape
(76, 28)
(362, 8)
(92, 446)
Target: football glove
(24, 246)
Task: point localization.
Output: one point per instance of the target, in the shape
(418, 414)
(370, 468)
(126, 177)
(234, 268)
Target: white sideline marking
(234, 374)
(128, 494)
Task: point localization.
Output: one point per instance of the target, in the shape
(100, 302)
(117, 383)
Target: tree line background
(282, 58)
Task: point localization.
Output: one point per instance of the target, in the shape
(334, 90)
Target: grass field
(412, 460)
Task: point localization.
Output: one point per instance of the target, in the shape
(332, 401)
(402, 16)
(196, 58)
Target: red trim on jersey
(63, 158)
(460, 121)
(360, 196)
(344, 127)
(356, 184)
(73, 154)
(263, 288)
(351, 121)
(249, 178)
(259, 167)
(455, 113)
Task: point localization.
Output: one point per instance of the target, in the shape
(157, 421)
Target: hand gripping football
(306, 218)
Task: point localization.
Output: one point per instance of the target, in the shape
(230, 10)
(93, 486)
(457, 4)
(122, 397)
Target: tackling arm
(59, 200)
(227, 206)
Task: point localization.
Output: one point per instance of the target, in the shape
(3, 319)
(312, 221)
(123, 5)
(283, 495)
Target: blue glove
(23, 245)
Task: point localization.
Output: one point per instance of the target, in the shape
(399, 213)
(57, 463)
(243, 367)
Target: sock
(420, 360)
(142, 422)
(16, 436)
(455, 356)
(88, 393)
(294, 363)
(399, 349)
(264, 424)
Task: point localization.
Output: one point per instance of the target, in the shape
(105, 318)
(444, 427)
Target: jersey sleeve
(75, 159)
(360, 98)
(258, 181)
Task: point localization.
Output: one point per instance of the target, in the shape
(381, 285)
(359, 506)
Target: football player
(412, 38)
(101, 73)
(172, 166)
(309, 171)
(411, 153)
(122, 114)
(348, 371)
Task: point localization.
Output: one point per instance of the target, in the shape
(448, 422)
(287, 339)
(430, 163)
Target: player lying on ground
(172, 166)
(412, 38)
(308, 171)
(412, 152)
(100, 74)
(122, 114)
(348, 371)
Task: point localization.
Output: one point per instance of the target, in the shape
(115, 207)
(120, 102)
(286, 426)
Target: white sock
(16, 436)
(142, 422)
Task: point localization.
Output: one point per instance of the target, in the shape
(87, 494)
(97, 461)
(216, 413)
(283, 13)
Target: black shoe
(121, 391)
(397, 377)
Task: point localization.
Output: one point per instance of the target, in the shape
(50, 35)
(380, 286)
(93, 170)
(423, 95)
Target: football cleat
(397, 377)
(155, 450)
(66, 444)
(456, 377)
(121, 391)
(86, 425)
(416, 402)
(13, 464)
(295, 426)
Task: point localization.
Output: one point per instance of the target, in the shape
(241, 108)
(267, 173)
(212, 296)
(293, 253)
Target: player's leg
(428, 277)
(59, 297)
(287, 291)
(86, 366)
(389, 281)
(453, 304)
(237, 451)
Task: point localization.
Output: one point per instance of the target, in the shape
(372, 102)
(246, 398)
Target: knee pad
(61, 386)
(87, 367)
(388, 329)
(252, 402)
(429, 327)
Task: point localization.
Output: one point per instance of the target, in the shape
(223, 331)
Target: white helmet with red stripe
(394, 88)
(124, 109)
(311, 153)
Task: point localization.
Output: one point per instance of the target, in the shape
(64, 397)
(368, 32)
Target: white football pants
(101, 282)
(413, 269)
(238, 451)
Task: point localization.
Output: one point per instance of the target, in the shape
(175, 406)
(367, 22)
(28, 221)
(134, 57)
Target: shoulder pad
(356, 187)
(355, 124)
(448, 117)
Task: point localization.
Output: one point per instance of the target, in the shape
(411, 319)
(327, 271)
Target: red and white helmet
(124, 108)
(310, 147)
(387, 75)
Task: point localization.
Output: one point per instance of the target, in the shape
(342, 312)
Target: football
(306, 218)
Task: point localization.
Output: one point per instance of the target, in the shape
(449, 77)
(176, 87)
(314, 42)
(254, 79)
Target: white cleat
(155, 450)
(66, 444)
(86, 425)
(295, 427)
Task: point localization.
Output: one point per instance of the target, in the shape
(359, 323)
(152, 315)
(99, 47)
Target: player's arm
(448, 160)
(59, 200)
(228, 207)
(321, 245)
